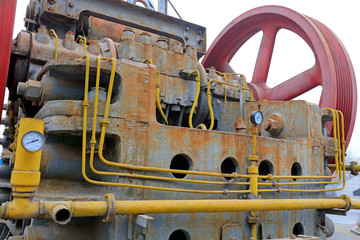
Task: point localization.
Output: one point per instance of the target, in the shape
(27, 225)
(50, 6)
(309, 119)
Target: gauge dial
(256, 117)
(32, 141)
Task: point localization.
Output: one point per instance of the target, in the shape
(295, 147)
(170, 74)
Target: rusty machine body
(114, 130)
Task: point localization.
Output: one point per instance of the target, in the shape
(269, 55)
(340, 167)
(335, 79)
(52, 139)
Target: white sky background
(291, 55)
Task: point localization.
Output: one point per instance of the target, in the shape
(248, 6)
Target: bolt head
(71, 4)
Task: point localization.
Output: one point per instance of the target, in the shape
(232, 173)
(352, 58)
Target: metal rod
(175, 9)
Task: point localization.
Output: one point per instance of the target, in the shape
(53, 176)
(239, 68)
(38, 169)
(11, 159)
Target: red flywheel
(332, 70)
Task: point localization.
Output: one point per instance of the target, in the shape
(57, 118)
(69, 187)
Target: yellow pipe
(225, 90)
(158, 98)
(212, 121)
(23, 208)
(238, 86)
(208, 93)
(347, 167)
(342, 156)
(104, 124)
(253, 171)
(336, 153)
(196, 98)
(253, 227)
(158, 105)
(82, 41)
(52, 34)
(141, 168)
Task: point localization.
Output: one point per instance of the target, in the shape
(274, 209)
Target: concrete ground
(343, 225)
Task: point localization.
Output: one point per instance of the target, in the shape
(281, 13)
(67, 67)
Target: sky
(291, 55)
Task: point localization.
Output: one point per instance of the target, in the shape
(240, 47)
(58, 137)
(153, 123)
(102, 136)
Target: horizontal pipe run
(15, 209)
(347, 167)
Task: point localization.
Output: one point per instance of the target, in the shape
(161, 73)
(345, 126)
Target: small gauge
(32, 141)
(256, 117)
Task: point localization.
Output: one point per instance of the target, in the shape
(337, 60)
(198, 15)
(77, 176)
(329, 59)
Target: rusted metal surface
(333, 69)
(134, 125)
(124, 13)
(293, 132)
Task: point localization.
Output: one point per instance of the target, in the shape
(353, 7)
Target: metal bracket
(110, 215)
(141, 223)
(353, 170)
(252, 219)
(340, 211)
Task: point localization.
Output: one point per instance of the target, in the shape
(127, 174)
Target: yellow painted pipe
(347, 167)
(24, 208)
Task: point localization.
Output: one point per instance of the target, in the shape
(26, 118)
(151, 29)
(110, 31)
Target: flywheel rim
(332, 70)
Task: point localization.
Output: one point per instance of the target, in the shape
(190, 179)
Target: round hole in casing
(266, 167)
(296, 170)
(228, 166)
(180, 235)
(180, 162)
(298, 229)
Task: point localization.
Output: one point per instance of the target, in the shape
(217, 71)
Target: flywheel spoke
(263, 60)
(297, 85)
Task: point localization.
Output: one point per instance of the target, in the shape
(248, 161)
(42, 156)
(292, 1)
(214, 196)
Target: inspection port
(296, 170)
(181, 162)
(228, 166)
(298, 229)
(265, 168)
(180, 235)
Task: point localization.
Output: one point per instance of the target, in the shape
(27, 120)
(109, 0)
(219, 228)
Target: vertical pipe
(163, 6)
(7, 13)
(254, 173)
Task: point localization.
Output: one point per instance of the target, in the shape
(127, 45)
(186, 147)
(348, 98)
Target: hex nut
(31, 90)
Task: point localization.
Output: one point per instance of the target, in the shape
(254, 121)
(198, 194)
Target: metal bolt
(162, 42)
(71, 4)
(128, 33)
(145, 37)
(187, 29)
(51, 9)
(21, 88)
(70, 14)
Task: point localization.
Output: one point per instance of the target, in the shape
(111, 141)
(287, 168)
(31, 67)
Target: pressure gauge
(32, 141)
(256, 117)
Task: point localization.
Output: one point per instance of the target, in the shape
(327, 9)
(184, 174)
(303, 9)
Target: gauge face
(256, 117)
(32, 141)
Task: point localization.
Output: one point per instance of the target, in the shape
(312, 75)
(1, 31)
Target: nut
(273, 125)
(71, 4)
(31, 90)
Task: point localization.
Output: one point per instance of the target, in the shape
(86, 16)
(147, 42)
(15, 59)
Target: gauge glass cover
(32, 141)
(256, 117)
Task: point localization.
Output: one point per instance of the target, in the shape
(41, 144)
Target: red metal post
(7, 13)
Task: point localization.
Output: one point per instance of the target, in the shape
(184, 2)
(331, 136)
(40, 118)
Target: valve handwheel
(332, 70)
